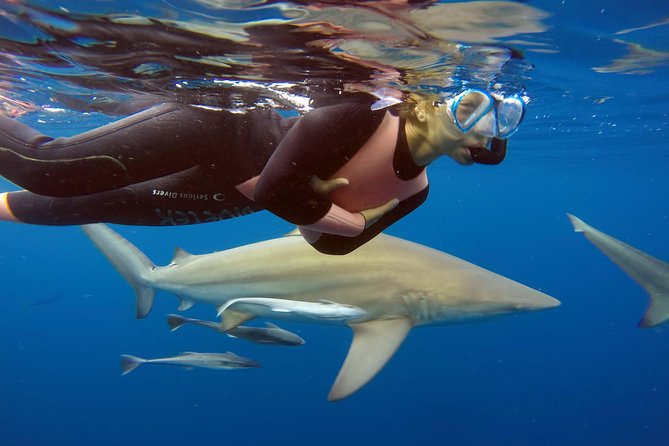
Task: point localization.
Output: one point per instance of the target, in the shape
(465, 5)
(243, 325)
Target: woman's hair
(417, 107)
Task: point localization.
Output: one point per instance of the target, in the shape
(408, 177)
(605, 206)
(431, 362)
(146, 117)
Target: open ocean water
(593, 143)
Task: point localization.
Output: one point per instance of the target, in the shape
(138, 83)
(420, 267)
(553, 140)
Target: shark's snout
(551, 302)
(530, 300)
(540, 302)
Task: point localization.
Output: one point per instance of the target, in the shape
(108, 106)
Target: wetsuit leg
(187, 197)
(159, 141)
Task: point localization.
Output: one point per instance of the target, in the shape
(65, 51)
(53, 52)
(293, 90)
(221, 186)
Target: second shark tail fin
(129, 261)
(175, 321)
(652, 274)
(578, 224)
(130, 363)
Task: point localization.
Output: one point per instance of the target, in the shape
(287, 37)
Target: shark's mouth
(495, 155)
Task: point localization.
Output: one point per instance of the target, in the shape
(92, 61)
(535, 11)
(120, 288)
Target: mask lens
(486, 126)
(469, 108)
(510, 113)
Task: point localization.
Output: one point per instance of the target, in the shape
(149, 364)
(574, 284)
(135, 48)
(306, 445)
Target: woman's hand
(324, 187)
(370, 215)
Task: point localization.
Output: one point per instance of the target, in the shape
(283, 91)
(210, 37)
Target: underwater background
(593, 143)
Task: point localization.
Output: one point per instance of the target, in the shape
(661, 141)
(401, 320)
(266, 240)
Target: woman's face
(451, 141)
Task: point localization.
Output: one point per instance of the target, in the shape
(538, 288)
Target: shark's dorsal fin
(180, 254)
(295, 232)
(374, 343)
(271, 325)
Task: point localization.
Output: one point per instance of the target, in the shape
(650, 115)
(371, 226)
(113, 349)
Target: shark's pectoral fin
(232, 319)
(374, 342)
(657, 311)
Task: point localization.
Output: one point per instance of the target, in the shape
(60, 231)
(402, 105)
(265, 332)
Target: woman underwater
(343, 172)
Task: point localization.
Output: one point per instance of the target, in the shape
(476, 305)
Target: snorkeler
(342, 173)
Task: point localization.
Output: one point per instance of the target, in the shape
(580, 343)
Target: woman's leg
(187, 197)
(156, 142)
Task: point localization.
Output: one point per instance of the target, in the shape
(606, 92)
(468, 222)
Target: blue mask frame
(494, 105)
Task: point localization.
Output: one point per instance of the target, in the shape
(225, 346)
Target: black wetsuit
(179, 164)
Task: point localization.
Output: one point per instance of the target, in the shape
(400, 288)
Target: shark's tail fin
(175, 321)
(129, 261)
(650, 273)
(130, 363)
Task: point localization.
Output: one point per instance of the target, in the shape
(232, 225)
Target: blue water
(593, 144)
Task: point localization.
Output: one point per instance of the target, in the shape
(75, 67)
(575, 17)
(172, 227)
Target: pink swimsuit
(372, 182)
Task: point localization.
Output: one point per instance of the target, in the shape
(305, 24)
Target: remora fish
(271, 334)
(399, 285)
(225, 361)
(242, 309)
(650, 273)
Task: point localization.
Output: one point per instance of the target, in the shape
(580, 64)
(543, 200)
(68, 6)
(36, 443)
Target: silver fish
(322, 312)
(270, 334)
(219, 361)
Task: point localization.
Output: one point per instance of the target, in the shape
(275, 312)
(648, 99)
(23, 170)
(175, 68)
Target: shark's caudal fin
(652, 274)
(374, 343)
(130, 363)
(129, 261)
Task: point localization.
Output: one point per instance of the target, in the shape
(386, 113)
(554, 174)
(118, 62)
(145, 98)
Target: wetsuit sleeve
(320, 143)
(336, 244)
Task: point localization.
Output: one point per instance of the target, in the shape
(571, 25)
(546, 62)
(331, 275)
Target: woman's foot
(5, 212)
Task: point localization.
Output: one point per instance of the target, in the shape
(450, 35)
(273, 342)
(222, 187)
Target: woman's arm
(336, 244)
(316, 147)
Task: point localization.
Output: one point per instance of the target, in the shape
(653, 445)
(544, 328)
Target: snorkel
(494, 155)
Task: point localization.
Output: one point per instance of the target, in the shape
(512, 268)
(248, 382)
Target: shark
(650, 273)
(381, 290)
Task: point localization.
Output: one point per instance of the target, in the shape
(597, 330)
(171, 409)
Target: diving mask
(479, 111)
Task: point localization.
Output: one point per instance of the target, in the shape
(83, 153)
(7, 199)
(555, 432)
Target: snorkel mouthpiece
(495, 155)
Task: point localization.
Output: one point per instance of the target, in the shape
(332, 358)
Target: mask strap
(495, 155)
